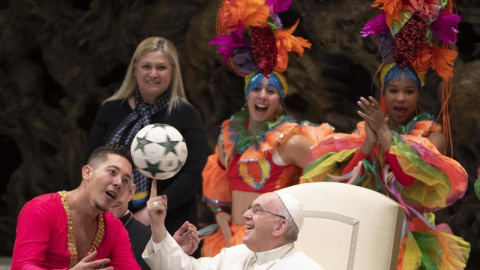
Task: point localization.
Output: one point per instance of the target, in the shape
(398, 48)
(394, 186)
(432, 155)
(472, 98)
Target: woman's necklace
(242, 138)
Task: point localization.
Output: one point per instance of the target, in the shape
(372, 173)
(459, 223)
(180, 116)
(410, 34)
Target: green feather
(477, 187)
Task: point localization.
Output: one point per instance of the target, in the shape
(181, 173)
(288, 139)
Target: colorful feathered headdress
(419, 34)
(416, 33)
(251, 36)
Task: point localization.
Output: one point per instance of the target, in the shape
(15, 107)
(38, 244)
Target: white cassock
(169, 255)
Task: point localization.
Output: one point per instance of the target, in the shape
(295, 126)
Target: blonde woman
(153, 92)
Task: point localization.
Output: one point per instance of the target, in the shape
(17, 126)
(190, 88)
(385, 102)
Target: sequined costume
(412, 36)
(250, 166)
(255, 45)
(44, 240)
(438, 182)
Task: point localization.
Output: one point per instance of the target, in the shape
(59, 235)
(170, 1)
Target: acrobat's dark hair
(100, 154)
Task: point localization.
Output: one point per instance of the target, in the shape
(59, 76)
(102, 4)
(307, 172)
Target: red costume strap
(359, 156)
(402, 177)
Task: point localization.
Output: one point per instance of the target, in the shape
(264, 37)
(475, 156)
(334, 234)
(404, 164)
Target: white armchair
(349, 227)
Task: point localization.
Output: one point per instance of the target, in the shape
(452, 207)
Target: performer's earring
(280, 110)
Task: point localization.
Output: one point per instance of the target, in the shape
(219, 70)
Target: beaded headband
(392, 71)
(277, 80)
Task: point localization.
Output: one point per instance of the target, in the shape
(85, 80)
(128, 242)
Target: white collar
(274, 254)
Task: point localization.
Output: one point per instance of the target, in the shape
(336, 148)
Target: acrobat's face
(402, 98)
(263, 101)
(154, 74)
(107, 181)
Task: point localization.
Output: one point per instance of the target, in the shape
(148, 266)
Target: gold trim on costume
(72, 245)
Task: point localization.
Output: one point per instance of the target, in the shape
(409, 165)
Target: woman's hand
(224, 220)
(370, 141)
(373, 115)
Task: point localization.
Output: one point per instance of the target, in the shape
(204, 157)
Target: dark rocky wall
(60, 59)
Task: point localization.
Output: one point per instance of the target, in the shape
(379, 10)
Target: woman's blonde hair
(152, 44)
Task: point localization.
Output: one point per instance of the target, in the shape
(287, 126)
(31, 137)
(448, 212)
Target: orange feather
(442, 61)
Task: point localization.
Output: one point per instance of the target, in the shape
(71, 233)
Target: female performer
(259, 149)
(403, 150)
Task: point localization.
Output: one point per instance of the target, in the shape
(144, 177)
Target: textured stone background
(60, 59)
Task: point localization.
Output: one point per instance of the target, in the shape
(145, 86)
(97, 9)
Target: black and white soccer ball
(159, 151)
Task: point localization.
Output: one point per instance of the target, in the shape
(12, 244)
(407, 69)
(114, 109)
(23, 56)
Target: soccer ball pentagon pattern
(159, 151)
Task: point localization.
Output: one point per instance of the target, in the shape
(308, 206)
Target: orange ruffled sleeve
(283, 133)
(215, 181)
(327, 155)
(440, 180)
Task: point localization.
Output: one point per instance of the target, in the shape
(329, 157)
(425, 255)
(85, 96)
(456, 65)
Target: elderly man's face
(120, 208)
(260, 226)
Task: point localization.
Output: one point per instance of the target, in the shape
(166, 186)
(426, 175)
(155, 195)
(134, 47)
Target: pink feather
(228, 43)
(446, 27)
(375, 26)
(279, 6)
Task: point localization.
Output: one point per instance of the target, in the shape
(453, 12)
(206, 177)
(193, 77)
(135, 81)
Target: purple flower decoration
(375, 26)
(278, 22)
(228, 43)
(385, 45)
(446, 27)
(243, 61)
(279, 6)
